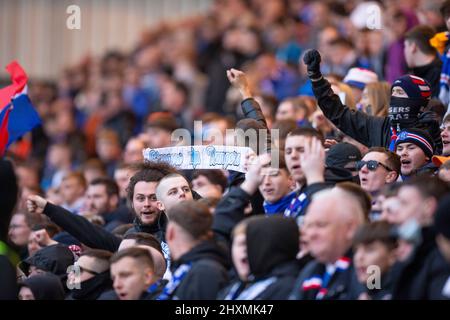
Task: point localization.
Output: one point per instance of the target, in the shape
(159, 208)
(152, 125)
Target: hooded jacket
(55, 259)
(208, 273)
(45, 286)
(369, 130)
(272, 262)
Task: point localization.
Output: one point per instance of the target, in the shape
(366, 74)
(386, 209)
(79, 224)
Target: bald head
(330, 223)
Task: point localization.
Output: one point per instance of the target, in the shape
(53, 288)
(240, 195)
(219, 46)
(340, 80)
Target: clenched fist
(36, 204)
(239, 80)
(312, 60)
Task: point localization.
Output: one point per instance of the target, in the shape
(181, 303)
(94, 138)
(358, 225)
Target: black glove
(312, 60)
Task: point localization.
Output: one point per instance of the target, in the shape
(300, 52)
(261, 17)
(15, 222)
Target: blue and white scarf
(297, 206)
(251, 292)
(175, 281)
(280, 206)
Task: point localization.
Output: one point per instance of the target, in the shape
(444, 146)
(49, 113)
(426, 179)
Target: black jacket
(432, 73)
(369, 130)
(45, 286)
(384, 292)
(80, 228)
(229, 212)
(158, 229)
(285, 274)
(8, 258)
(8, 276)
(343, 285)
(95, 236)
(272, 262)
(207, 275)
(423, 275)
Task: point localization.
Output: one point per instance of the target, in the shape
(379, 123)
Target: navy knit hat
(404, 111)
(419, 137)
(415, 87)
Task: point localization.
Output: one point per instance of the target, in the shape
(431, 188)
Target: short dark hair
(145, 239)
(32, 219)
(285, 127)
(98, 253)
(421, 36)
(193, 217)
(51, 228)
(270, 101)
(213, 117)
(148, 172)
(392, 160)
(141, 254)
(428, 186)
(298, 103)
(341, 41)
(307, 132)
(110, 185)
(213, 176)
(121, 229)
(374, 231)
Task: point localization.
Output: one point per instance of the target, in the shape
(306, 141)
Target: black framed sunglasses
(372, 165)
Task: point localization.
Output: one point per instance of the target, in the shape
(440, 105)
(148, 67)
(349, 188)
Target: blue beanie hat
(414, 87)
(419, 137)
(404, 111)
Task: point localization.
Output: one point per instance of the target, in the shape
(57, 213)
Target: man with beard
(409, 98)
(102, 199)
(141, 196)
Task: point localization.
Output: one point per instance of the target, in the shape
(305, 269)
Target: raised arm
(250, 107)
(79, 227)
(369, 130)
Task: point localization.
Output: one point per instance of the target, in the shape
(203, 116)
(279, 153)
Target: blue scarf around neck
(280, 205)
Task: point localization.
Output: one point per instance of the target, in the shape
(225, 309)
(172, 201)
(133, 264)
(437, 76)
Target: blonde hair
(349, 97)
(379, 94)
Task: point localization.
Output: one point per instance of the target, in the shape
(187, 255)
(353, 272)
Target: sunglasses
(372, 165)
